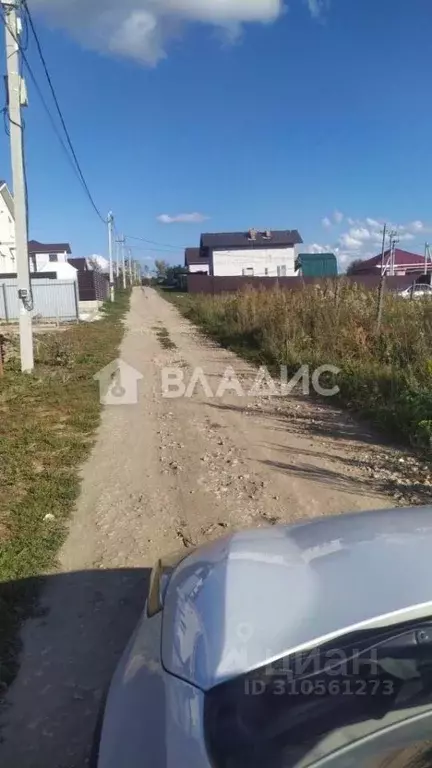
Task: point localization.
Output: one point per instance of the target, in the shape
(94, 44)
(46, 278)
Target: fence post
(5, 302)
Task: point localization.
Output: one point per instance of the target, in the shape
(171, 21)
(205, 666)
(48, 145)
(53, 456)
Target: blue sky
(316, 116)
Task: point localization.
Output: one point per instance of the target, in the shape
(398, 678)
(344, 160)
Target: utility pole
(393, 240)
(130, 267)
(110, 247)
(17, 99)
(123, 245)
(382, 281)
(117, 242)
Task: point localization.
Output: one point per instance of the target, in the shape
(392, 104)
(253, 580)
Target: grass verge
(385, 375)
(47, 427)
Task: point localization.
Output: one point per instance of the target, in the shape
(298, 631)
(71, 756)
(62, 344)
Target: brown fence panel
(92, 286)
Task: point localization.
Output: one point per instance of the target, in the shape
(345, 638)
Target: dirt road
(169, 473)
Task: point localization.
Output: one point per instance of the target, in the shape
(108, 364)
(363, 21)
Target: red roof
(402, 259)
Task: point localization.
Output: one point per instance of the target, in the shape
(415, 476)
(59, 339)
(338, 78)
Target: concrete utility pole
(382, 281)
(117, 243)
(130, 266)
(393, 236)
(123, 245)
(17, 99)
(110, 247)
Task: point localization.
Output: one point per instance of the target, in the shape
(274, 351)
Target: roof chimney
(252, 234)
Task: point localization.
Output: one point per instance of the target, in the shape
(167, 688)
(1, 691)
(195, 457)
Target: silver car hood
(256, 596)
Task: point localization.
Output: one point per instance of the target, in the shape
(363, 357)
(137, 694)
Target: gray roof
(35, 246)
(193, 256)
(242, 239)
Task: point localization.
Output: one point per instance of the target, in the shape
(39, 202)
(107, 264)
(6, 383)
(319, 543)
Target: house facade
(47, 256)
(399, 262)
(195, 262)
(7, 231)
(251, 254)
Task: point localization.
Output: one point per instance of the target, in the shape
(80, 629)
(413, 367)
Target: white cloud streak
(317, 7)
(142, 29)
(326, 222)
(182, 218)
(364, 237)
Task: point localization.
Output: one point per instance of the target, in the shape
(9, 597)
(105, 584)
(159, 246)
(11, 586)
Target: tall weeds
(386, 375)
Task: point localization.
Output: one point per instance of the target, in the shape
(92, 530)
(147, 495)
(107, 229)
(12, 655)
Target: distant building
(251, 254)
(405, 263)
(7, 231)
(317, 265)
(51, 257)
(196, 262)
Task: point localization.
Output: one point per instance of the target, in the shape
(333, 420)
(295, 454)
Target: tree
(353, 267)
(162, 268)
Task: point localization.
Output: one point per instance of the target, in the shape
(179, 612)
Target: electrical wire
(154, 250)
(43, 100)
(73, 161)
(60, 113)
(155, 242)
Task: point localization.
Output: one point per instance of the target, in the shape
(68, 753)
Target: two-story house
(7, 231)
(51, 257)
(253, 253)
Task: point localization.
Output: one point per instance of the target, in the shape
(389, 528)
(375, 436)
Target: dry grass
(386, 375)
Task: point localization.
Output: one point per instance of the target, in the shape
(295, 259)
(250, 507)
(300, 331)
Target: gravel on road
(165, 474)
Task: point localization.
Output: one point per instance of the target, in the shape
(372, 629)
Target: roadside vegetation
(47, 426)
(385, 374)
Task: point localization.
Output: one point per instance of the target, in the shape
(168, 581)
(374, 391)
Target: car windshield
(304, 708)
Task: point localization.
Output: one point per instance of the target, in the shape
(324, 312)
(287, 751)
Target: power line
(154, 250)
(155, 242)
(60, 113)
(42, 98)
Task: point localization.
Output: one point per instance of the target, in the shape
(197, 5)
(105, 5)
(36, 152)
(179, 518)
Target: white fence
(52, 300)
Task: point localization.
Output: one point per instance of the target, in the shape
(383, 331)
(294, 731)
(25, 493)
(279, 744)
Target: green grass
(47, 426)
(164, 338)
(385, 375)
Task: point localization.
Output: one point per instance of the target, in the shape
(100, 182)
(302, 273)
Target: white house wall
(7, 240)
(199, 268)
(44, 258)
(263, 261)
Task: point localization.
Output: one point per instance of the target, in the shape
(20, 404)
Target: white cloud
(350, 243)
(317, 7)
(363, 239)
(370, 222)
(317, 248)
(338, 217)
(326, 222)
(415, 227)
(141, 29)
(182, 218)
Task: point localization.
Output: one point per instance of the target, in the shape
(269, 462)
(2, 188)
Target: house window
(266, 271)
(53, 257)
(248, 272)
(281, 271)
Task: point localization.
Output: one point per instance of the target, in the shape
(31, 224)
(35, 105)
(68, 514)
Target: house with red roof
(405, 263)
